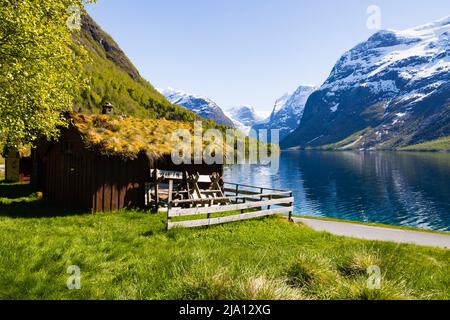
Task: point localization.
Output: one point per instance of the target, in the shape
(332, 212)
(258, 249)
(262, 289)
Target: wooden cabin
(18, 164)
(103, 162)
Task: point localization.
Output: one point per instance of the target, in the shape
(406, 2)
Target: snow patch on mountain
(288, 111)
(281, 102)
(245, 117)
(392, 73)
(201, 105)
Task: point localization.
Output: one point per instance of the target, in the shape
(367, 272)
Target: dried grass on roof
(128, 136)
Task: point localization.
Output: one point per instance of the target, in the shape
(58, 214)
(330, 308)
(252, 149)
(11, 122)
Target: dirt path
(378, 233)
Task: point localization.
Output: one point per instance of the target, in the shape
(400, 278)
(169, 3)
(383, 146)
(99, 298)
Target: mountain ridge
(202, 106)
(288, 111)
(393, 89)
(244, 117)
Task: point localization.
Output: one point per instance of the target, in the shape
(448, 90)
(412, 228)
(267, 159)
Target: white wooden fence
(251, 202)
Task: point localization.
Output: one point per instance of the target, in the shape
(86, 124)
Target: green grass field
(129, 255)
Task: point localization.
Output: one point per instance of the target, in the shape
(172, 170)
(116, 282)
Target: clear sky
(248, 51)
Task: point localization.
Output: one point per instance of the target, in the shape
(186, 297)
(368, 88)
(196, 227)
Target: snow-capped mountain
(281, 102)
(244, 118)
(288, 111)
(390, 91)
(202, 106)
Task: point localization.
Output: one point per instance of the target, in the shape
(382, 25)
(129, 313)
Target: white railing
(243, 202)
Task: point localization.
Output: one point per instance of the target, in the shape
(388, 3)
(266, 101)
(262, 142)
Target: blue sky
(247, 51)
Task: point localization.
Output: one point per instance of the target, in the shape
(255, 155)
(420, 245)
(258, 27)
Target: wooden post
(169, 219)
(156, 190)
(148, 196)
(186, 182)
(243, 201)
(261, 198)
(291, 204)
(169, 205)
(196, 177)
(170, 190)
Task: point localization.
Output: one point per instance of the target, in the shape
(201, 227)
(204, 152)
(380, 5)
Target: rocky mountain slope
(288, 111)
(390, 91)
(204, 107)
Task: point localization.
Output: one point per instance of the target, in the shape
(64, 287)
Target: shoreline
(373, 224)
(377, 233)
(367, 150)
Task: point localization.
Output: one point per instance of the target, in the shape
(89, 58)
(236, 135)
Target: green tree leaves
(40, 67)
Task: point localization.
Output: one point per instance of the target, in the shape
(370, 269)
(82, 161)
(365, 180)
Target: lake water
(403, 189)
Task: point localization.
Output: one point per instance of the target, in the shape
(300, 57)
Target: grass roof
(127, 136)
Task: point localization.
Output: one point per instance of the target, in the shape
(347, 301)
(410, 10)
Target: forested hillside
(115, 79)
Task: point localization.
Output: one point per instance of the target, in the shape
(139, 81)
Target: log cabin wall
(72, 176)
(78, 178)
(119, 184)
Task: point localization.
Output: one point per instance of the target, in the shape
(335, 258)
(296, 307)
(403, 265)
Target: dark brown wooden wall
(119, 184)
(83, 179)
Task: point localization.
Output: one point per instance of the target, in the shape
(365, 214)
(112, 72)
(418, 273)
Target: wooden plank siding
(74, 177)
(119, 183)
(85, 180)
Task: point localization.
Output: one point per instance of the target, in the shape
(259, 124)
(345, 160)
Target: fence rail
(261, 202)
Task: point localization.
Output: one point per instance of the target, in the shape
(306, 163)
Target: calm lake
(396, 188)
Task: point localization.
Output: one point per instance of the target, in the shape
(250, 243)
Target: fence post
(169, 219)
(291, 204)
(244, 201)
(146, 194)
(170, 190)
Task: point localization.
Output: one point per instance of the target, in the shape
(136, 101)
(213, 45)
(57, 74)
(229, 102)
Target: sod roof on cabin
(127, 136)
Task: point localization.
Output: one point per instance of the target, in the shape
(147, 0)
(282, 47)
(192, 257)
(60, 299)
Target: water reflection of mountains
(407, 189)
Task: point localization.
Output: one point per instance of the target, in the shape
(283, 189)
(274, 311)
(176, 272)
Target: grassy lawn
(129, 255)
